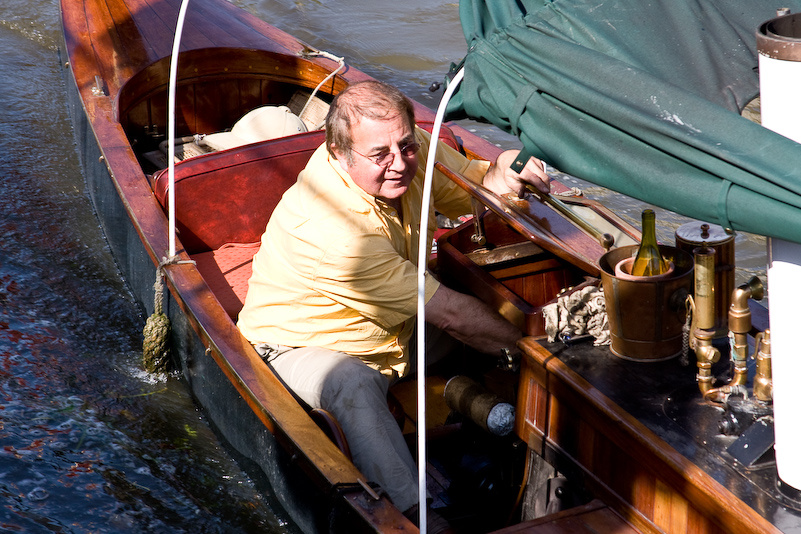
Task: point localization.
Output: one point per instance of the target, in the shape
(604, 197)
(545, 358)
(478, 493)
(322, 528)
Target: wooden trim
(594, 517)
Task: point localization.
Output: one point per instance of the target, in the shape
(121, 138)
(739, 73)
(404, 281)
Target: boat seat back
(224, 200)
(228, 197)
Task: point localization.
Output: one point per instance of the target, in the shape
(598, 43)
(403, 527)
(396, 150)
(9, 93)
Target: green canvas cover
(639, 96)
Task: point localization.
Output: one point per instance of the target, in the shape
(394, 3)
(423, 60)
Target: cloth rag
(578, 313)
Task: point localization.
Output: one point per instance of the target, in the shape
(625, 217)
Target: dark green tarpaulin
(638, 96)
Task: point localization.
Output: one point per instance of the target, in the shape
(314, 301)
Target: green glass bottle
(649, 261)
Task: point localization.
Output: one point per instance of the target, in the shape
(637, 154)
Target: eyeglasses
(385, 159)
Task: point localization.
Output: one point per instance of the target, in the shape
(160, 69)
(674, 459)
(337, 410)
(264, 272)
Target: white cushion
(260, 124)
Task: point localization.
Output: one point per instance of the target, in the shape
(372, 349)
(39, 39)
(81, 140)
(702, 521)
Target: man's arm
(470, 321)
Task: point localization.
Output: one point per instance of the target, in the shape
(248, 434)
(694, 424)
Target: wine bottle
(649, 261)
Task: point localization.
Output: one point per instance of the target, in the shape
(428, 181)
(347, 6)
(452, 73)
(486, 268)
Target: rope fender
(156, 351)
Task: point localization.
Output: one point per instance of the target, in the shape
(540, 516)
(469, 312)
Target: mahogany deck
(619, 426)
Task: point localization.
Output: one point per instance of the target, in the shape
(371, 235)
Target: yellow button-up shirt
(337, 268)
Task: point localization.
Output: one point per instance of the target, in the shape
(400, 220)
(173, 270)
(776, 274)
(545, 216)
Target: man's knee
(353, 379)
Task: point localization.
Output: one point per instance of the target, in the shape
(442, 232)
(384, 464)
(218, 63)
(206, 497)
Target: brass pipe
(722, 393)
(704, 332)
(763, 380)
(705, 287)
(739, 329)
(606, 240)
(740, 325)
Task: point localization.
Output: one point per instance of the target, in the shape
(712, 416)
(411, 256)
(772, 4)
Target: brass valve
(763, 380)
(740, 325)
(704, 316)
(706, 354)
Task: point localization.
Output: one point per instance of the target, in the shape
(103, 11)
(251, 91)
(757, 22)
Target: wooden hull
(117, 42)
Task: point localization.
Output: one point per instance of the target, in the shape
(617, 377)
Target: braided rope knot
(156, 351)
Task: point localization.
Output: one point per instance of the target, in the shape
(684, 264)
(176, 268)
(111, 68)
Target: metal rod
(606, 240)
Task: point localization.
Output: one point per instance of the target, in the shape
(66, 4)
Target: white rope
(176, 45)
(422, 262)
(332, 57)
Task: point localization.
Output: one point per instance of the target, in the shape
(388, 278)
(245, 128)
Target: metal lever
(478, 237)
(520, 161)
(606, 240)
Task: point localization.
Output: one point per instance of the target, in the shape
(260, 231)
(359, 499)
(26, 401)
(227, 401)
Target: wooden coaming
(648, 482)
(216, 86)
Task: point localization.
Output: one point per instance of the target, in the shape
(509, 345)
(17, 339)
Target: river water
(88, 442)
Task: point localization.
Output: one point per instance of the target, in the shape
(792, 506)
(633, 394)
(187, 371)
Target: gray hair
(371, 99)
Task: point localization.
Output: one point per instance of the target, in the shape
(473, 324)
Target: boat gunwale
(266, 396)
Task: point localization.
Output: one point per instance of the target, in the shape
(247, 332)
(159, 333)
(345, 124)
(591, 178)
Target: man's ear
(339, 156)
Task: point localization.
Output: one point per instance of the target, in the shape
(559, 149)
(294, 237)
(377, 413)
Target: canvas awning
(639, 96)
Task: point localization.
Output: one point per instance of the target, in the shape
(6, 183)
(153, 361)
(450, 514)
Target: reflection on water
(88, 443)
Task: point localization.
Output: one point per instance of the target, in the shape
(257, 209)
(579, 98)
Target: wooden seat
(592, 518)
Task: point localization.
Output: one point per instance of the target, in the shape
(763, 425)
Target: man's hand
(501, 179)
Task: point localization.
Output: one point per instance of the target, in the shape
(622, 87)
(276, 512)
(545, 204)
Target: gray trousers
(357, 397)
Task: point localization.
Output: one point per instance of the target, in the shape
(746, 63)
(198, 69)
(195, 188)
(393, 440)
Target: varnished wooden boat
(116, 55)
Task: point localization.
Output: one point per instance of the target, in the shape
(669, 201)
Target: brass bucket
(646, 314)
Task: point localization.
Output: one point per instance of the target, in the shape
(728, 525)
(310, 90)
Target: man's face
(374, 137)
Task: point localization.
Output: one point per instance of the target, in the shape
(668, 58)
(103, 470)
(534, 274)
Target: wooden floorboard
(592, 518)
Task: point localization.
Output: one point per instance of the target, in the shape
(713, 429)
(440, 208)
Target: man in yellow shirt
(332, 301)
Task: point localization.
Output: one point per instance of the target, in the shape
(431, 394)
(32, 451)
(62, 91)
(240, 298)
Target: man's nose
(399, 163)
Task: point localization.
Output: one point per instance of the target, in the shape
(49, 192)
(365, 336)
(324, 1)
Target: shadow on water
(88, 442)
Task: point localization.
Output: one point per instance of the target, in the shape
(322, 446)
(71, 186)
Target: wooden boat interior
(225, 198)
(217, 86)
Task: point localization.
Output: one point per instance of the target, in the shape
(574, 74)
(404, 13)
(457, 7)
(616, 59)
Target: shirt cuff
(432, 284)
(475, 170)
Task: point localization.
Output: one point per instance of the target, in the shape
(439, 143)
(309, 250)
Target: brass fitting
(706, 354)
(740, 326)
(722, 393)
(763, 380)
(739, 329)
(479, 237)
